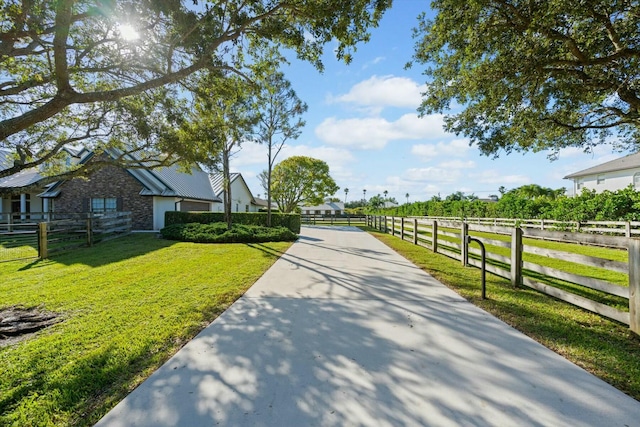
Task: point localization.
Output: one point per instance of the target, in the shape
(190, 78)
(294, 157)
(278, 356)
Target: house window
(579, 185)
(246, 208)
(103, 204)
(600, 179)
(15, 203)
(317, 212)
(636, 181)
(327, 212)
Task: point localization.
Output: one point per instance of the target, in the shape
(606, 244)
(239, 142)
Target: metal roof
(6, 160)
(194, 185)
(20, 179)
(167, 181)
(631, 161)
(216, 180)
(331, 206)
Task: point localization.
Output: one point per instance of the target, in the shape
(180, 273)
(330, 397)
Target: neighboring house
(241, 198)
(261, 204)
(20, 193)
(327, 208)
(146, 193)
(614, 175)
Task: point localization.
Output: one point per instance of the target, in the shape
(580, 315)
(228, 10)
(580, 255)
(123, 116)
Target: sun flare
(128, 32)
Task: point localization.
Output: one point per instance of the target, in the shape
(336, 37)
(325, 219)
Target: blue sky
(362, 121)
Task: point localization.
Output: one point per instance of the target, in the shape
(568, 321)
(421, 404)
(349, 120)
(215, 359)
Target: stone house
(146, 193)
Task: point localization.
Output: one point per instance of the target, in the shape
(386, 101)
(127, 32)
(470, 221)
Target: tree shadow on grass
(111, 251)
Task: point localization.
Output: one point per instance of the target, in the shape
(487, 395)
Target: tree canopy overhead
(533, 75)
(103, 72)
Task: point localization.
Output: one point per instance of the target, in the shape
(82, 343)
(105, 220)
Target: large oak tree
(533, 75)
(301, 179)
(106, 73)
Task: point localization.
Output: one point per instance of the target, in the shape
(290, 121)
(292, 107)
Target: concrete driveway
(342, 331)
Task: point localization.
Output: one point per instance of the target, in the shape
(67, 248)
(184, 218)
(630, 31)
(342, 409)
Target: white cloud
(331, 155)
(493, 177)
(375, 61)
(249, 154)
(433, 174)
(458, 164)
(374, 133)
(597, 151)
(456, 147)
(384, 91)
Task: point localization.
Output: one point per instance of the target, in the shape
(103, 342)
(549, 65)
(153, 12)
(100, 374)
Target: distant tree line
(530, 201)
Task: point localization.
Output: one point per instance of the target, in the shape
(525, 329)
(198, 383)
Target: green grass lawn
(604, 347)
(127, 305)
(557, 263)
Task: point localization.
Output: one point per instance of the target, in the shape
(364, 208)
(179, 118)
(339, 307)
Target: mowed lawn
(127, 305)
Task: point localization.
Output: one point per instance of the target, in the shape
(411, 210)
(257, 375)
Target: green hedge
(290, 221)
(217, 233)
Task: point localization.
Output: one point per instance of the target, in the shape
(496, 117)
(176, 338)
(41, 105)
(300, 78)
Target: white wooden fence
(449, 238)
(615, 228)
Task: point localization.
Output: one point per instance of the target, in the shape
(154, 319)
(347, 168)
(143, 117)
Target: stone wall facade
(110, 181)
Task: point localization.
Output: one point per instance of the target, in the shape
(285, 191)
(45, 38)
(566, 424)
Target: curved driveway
(342, 331)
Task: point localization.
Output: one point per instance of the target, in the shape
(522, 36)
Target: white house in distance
(327, 208)
(614, 175)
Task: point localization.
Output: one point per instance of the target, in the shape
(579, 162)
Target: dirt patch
(18, 323)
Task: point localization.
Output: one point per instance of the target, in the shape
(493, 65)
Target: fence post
(464, 249)
(402, 228)
(393, 225)
(42, 240)
(627, 229)
(634, 285)
(516, 257)
(89, 231)
(386, 229)
(415, 231)
(434, 236)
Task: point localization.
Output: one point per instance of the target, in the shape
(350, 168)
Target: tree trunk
(226, 185)
(269, 187)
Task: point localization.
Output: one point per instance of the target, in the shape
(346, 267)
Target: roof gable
(630, 161)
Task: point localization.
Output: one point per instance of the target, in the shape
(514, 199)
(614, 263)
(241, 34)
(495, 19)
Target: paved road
(342, 331)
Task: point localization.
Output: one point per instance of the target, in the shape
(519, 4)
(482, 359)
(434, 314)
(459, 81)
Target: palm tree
(364, 195)
(385, 192)
(407, 196)
(346, 191)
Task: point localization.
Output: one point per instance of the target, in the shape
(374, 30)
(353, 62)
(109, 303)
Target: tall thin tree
(279, 121)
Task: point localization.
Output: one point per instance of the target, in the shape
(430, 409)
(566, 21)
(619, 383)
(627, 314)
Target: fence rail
(614, 228)
(449, 238)
(333, 219)
(20, 239)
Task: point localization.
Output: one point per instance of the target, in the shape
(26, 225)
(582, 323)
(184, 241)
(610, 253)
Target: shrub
(217, 233)
(290, 221)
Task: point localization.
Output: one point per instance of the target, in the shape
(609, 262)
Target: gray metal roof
(631, 161)
(166, 181)
(5, 159)
(20, 179)
(331, 206)
(170, 181)
(216, 180)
